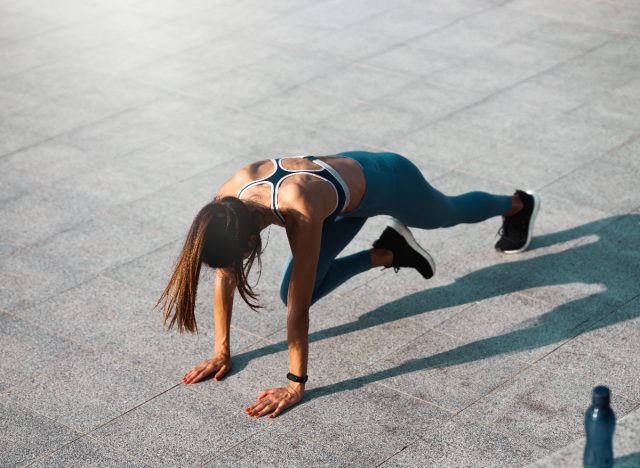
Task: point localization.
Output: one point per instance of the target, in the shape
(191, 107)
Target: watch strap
(295, 378)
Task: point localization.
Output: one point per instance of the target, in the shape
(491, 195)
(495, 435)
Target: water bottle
(599, 424)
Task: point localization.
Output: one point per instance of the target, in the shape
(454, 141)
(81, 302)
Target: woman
(322, 202)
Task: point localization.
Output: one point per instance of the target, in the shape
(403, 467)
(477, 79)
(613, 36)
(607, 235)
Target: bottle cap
(601, 397)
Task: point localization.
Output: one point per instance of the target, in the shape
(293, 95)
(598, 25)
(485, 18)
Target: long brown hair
(219, 236)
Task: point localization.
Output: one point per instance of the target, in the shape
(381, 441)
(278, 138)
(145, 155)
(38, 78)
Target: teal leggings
(394, 187)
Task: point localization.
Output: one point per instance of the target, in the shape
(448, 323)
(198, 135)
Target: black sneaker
(516, 231)
(406, 251)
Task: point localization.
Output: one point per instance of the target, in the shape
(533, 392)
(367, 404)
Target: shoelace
(512, 226)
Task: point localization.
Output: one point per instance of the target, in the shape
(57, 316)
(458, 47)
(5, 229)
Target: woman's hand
(219, 363)
(276, 400)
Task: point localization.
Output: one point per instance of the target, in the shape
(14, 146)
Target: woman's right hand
(219, 364)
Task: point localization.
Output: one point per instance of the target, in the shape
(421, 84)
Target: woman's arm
(220, 362)
(223, 292)
(305, 234)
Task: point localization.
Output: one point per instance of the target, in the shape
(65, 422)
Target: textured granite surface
(119, 120)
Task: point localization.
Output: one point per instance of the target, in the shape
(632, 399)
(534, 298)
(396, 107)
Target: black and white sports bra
(280, 173)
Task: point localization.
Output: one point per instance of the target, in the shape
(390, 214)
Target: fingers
(278, 410)
(223, 370)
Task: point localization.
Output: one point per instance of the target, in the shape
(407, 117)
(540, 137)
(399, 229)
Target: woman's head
(223, 234)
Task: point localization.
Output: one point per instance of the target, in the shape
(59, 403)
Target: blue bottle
(599, 424)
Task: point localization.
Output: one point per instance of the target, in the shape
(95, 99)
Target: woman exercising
(322, 202)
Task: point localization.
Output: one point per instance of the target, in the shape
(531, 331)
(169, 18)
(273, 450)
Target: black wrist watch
(295, 378)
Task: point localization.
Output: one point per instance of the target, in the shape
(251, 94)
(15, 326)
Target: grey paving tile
(374, 122)
(463, 443)
(14, 138)
(529, 55)
(609, 109)
(88, 452)
(44, 163)
(219, 416)
(31, 276)
(13, 99)
(534, 332)
(16, 26)
(28, 219)
(572, 144)
(21, 56)
(445, 144)
(228, 53)
(462, 40)
(86, 390)
(570, 34)
(114, 59)
(94, 30)
(103, 242)
(592, 73)
(26, 435)
(446, 371)
(427, 103)
(337, 14)
(360, 81)
(414, 23)
(227, 16)
(545, 94)
(391, 421)
(28, 350)
(60, 115)
(239, 88)
(121, 320)
(561, 220)
(185, 30)
(479, 75)
(540, 407)
(601, 184)
(410, 59)
(170, 72)
(302, 449)
(51, 80)
(500, 118)
(343, 330)
(305, 105)
(607, 344)
(292, 67)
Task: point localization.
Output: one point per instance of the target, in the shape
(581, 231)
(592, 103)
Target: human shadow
(607, 262)
(628, 461)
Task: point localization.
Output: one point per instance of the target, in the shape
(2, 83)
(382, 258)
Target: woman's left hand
(275, 400)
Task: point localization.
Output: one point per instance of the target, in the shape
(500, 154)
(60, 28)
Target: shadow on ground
(628, 461)
(609, 262)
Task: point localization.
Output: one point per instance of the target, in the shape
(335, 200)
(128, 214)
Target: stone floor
(120, 119)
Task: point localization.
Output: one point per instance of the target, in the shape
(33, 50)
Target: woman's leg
(332, 272)
(418, 204)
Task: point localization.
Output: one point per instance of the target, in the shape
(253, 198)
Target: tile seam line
(46, 239)
(417, 440)
(221, 452)
(80, 127)
(80, 22)
(346, 64)
(88, 433)
(593, 160)
(535, 362)
(493, 94)
(450, 413)
(244, 30)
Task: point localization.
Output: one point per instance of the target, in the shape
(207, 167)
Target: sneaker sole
(536, 207)
(404, 232)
